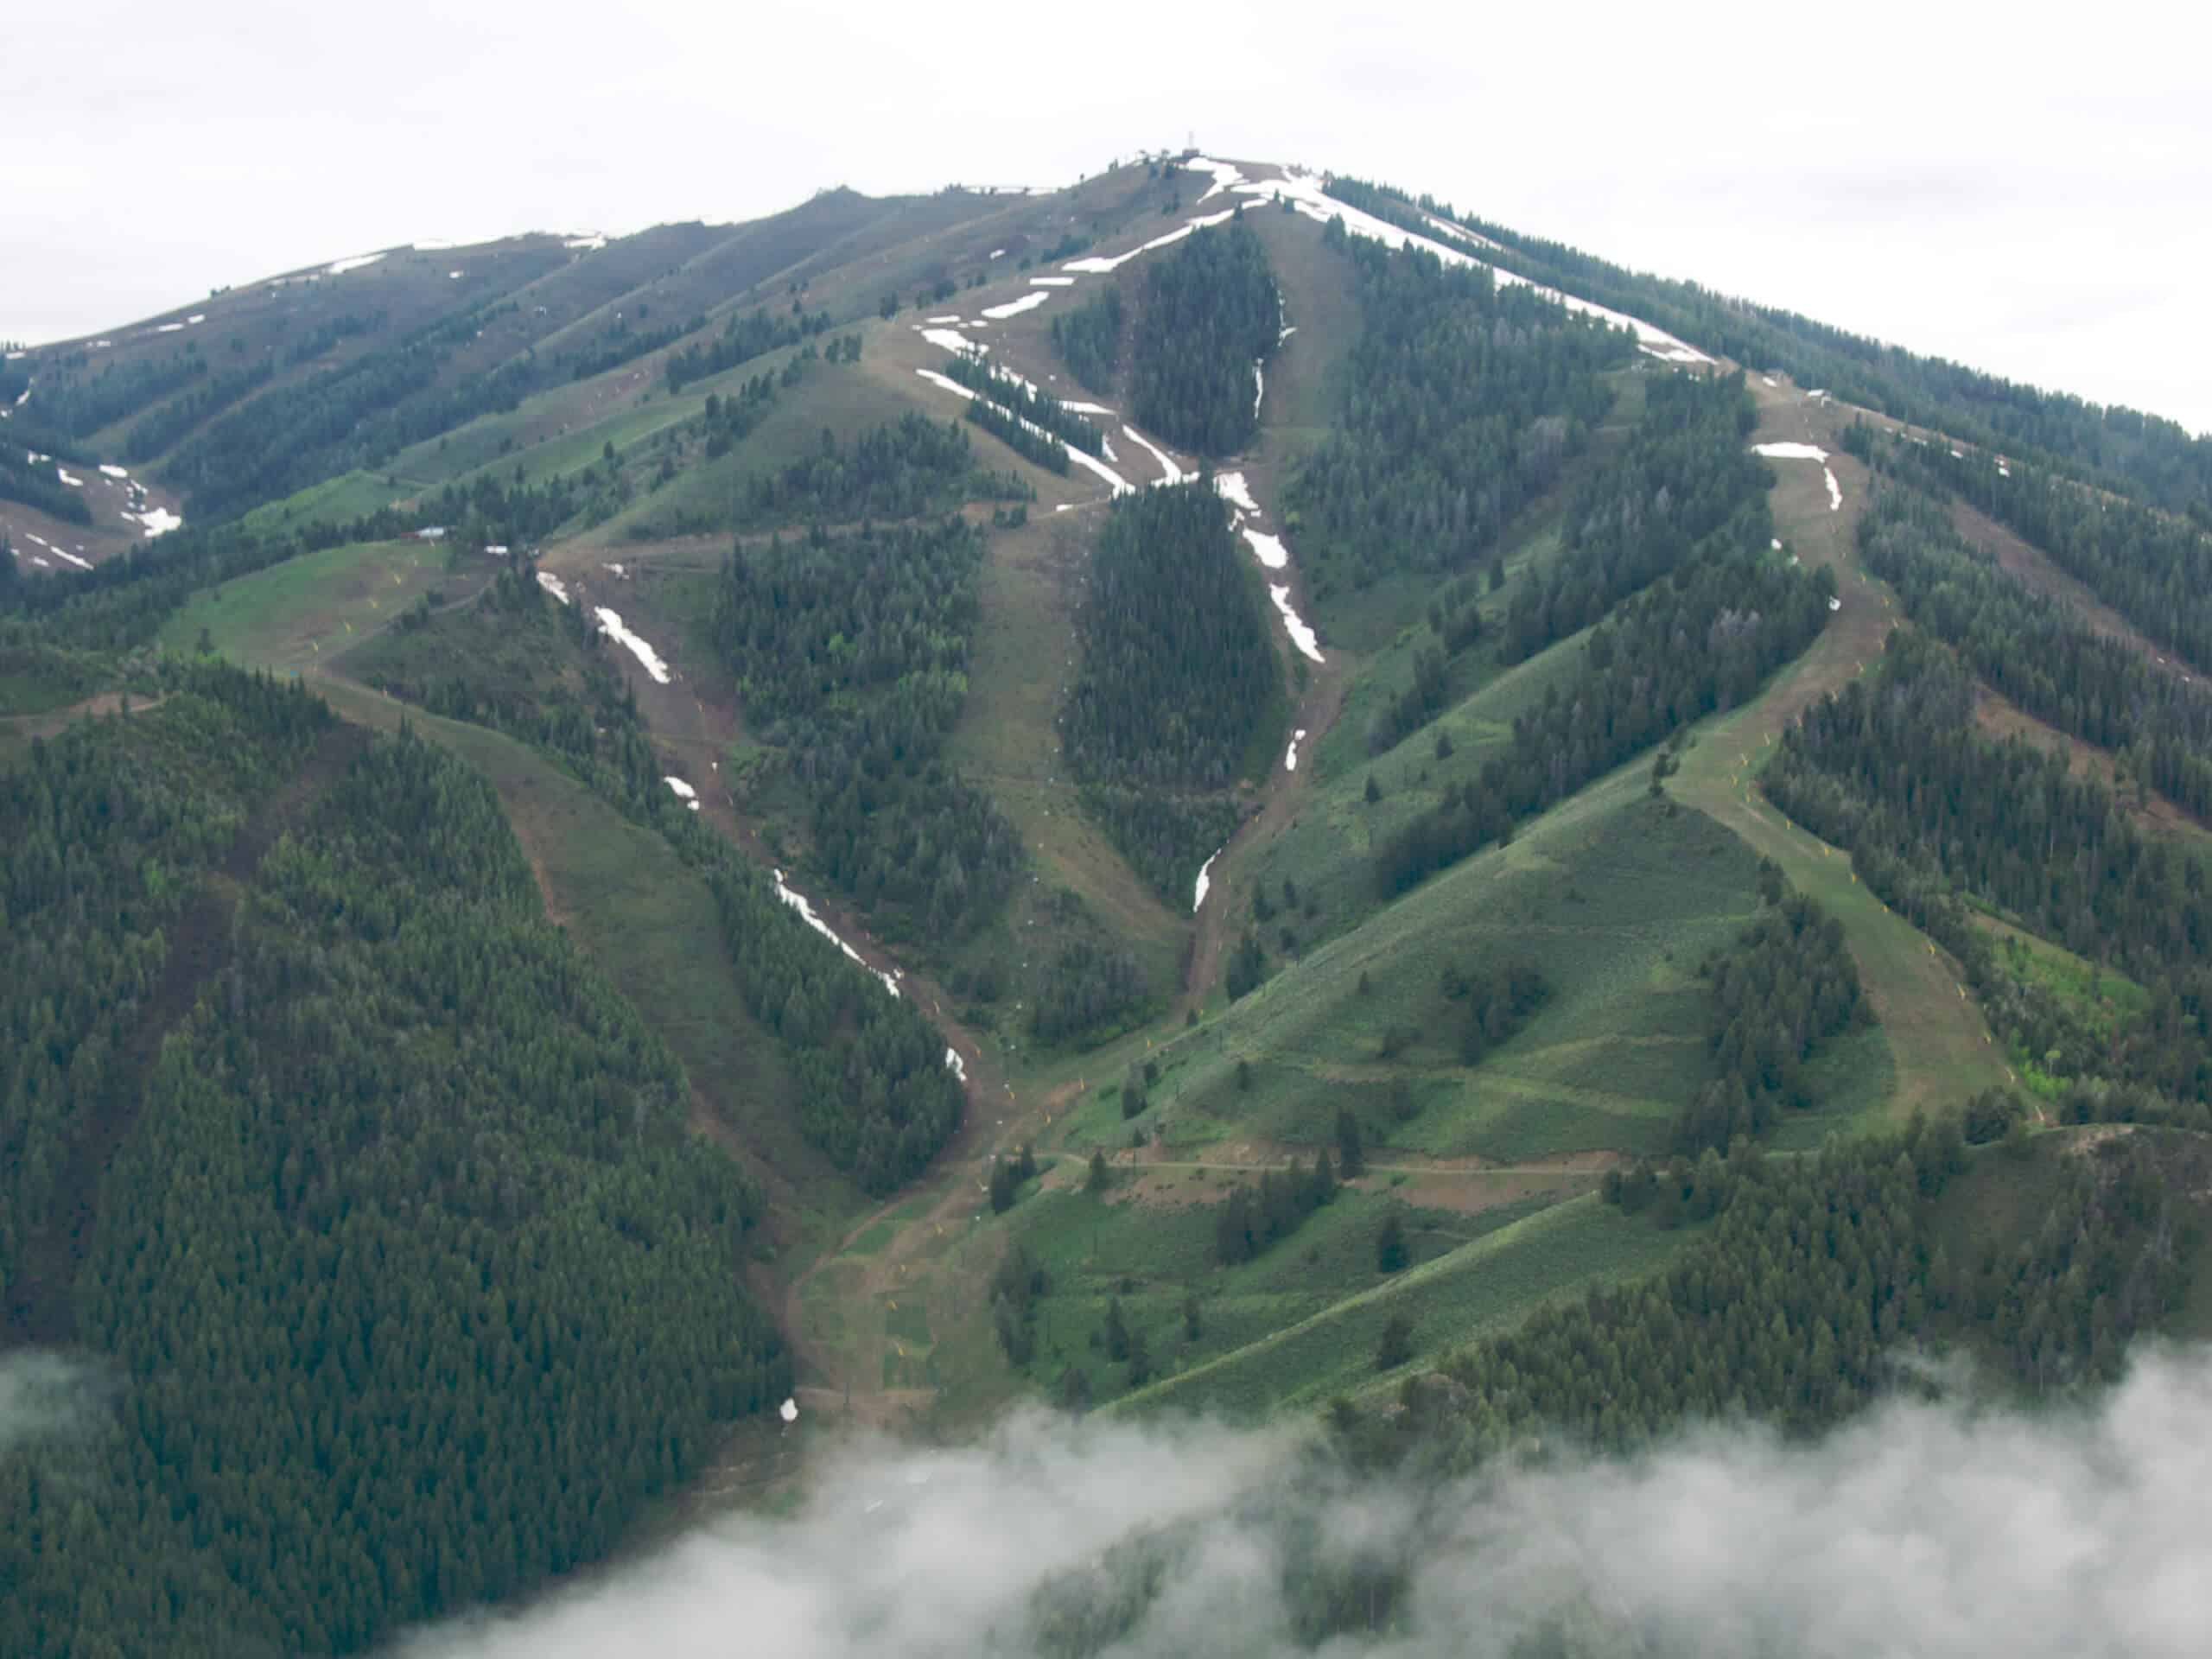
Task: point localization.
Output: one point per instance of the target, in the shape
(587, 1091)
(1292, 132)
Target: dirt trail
(40, 1307)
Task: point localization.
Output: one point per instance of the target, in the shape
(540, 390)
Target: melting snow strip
(684, 792)
(1305, 638)
(69, 477)
(552, 585)
(1099, 265)
(797, 901)
(940, 321)
(1120, 486)
(587, 243)
(340, 267)
(1053, 282)
(1268, 550)
(1290, 760)
(1790, 451)
(159, 521)
(1169, 471)
(1259, 387)
(1015, 308)
(645, 653)
(1235, 492)
(1086, 409)
(1308, 197)
(1836, 490)
(953, 1063)
(64, 553)
(1224, 173)
(114, 471)
(1198, 895)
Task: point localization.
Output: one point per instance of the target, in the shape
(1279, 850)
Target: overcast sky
(2027, 192)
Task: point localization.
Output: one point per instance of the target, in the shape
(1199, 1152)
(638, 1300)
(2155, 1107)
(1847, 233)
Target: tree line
(1088, 340)
(1038, 407)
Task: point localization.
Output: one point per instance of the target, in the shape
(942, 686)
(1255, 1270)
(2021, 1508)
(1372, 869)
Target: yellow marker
(894, 1307)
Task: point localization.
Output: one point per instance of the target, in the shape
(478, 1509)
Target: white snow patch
(22, 396)
(1836, 490)
(159, 521)
(1119, 484)
(1777, 543)
(1958, 454)
(195, 319)
(553, 585)
(169, 329)
(645, 653)
(1259, 387)
(64, 553)
(797, 901)
(1309, 642)
(1766, 379)
(683, 792)
(1107, 444)
(12, 356)
(788, 1411)
(1290, 760)
(454, 276)
(1100, 265)
(1224, 173)
(69, 477)
(2003, 471)
(618, 570)
(114, 471)
(998, 253)
(1835, 604)
(1234, 491)
(1268, 550)
(340, 267)
(1790, 451)
(946, 340)
(1169, 471)
(955, 1065)
(1199, 895)
(1086, 409)
(1015, 308)
(41, 563)
(1053, 282)
(1063, 507)
(940, 321)
(587, 243)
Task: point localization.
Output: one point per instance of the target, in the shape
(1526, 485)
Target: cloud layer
(1920, 1529)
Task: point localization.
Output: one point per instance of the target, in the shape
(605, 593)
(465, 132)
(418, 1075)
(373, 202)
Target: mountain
(1223, 789)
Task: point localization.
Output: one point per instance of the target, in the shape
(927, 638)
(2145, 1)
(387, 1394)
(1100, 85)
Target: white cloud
(1934, 1531)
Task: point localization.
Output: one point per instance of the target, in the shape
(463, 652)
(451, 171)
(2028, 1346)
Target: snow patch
(1086, 409)
(64, 553)
(1120, 486)
(114, 471)
(587, 243)
(340, 267)
(1777, 543)
(1766, 379)
(1198, 895)
(1790, 451)
(645, 653)
(453, 276)
(1169, 471)
(1309, 642)
(955, 1065)
(1268, 550)
(788, 1411)
(945, 338)
(69, 477)
(1100, 265)
(1015, 308)
(1259, 387)
(797, 901)
(940, 321)
(1836, 490)
(1234, 491)
(553, 585)
(1224, 173)
(159, 521)
(1053, 282)
(1834, 604)
(1290, 760)
(684, 792)
(196, 319)
(998, 253)
(169, 329)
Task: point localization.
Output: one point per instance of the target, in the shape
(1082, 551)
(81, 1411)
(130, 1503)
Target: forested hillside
(403, 1132)
(1208, 316)
(1462, 402)
(1177, 679)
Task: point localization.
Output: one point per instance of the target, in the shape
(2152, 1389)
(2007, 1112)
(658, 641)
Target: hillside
(1221, 790)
